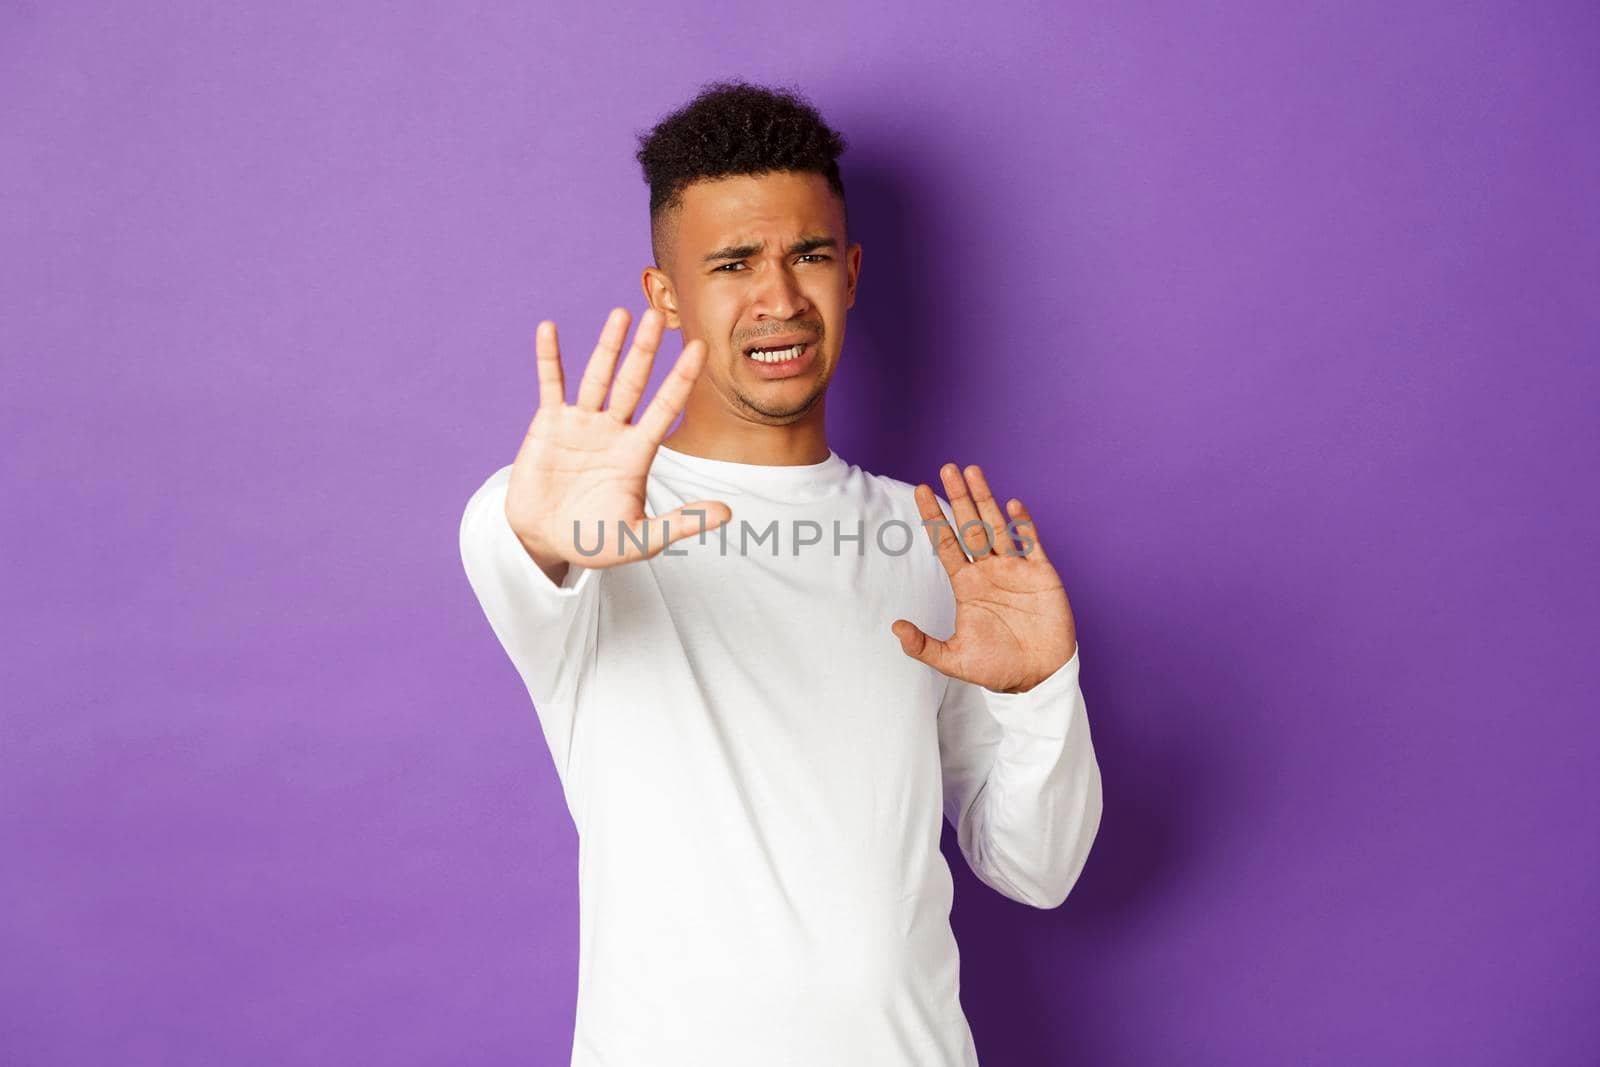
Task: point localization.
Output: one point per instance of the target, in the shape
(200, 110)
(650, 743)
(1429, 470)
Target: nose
(777, 295)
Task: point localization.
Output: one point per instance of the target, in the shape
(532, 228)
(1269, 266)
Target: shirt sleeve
(1021, 784)
(548, 630)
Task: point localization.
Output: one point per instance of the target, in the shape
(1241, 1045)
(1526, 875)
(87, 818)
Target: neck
(796, 444)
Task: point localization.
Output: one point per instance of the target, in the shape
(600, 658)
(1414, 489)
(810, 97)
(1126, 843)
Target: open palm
(579, 477)
(1014, 625)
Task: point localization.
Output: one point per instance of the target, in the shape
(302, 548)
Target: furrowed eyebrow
(800, 247)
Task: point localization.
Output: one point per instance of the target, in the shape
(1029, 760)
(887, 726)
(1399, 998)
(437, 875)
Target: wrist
(551, 562)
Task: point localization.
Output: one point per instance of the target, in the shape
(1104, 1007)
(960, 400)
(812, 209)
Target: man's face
(760, 263)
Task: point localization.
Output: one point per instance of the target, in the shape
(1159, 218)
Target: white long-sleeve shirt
(758, 773)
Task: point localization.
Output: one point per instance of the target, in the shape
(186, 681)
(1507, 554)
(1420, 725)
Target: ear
(658, 290)
(853, 272)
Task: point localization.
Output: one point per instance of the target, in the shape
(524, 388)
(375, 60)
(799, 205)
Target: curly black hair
(734, 127)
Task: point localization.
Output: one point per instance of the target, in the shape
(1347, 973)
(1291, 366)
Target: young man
(756, 734)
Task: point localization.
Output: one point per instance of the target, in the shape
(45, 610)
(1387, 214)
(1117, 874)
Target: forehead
(746, 208)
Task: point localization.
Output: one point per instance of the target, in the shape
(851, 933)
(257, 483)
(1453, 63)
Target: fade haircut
(733, 127)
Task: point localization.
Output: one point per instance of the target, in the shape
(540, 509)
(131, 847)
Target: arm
(547, 629)
(580, 465)
(1021, 784)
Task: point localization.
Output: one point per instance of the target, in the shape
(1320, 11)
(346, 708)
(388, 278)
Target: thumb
(656, 532)
(694, 518)
(919, 646)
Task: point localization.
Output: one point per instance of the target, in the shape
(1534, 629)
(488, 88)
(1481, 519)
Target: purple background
(1284, 323)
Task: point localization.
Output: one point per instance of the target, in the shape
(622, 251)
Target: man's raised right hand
(581, 470)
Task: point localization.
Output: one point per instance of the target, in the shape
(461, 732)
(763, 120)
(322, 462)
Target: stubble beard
(788, 413)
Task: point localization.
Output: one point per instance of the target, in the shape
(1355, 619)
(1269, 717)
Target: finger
(648, 536)
(552, 390)
(972, 537)
(1027, 533)
(635, 372)
(939, 531)
(597, 375)
(669, 400)
(989, 510)
(919, 646)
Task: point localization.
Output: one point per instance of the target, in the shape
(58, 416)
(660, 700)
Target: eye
(724, 268)
(815, 255)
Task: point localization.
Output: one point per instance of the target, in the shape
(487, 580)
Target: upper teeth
(777, 355)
